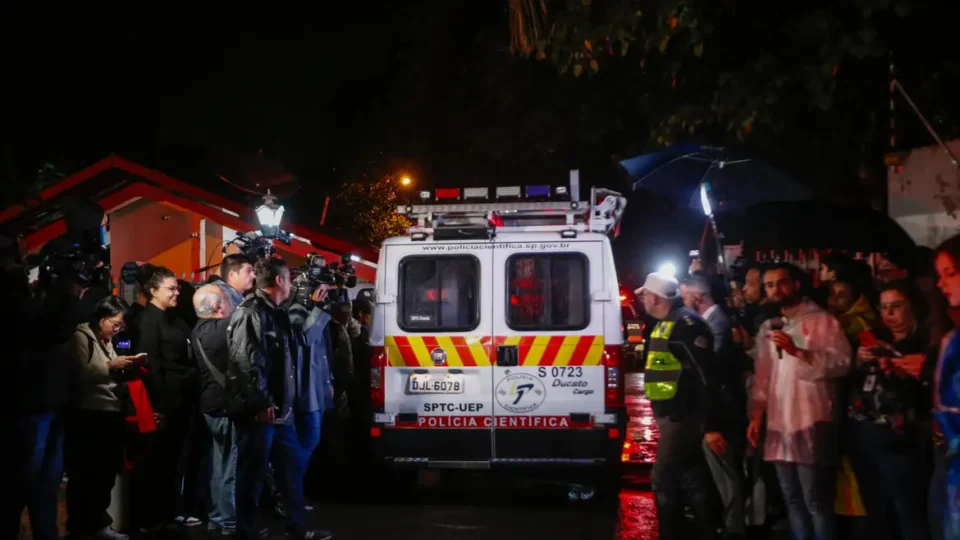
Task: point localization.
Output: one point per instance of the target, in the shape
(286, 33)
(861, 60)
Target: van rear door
(438, 339)
(549, 378)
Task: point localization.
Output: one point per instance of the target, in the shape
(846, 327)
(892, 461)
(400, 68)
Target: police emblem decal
(438, 356)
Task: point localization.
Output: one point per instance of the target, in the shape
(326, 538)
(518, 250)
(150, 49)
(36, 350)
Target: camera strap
(216, 373)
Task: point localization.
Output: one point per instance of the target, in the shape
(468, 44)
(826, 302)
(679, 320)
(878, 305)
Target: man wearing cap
(683, 392)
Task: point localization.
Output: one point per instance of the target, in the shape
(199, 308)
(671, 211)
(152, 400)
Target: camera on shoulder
(337, 275)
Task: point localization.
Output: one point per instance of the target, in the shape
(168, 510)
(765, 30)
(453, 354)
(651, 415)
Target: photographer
(39, 328)
(262, 376)
(315, 388)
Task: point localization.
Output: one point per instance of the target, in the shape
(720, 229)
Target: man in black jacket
(209, 340)
(262, 382)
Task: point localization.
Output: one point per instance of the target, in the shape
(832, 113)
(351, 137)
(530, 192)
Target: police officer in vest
(684, 393)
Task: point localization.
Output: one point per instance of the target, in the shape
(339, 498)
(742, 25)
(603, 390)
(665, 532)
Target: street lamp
(406, 181)
(269, 215)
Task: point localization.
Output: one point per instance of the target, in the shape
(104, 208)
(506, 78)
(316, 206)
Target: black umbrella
(732, 181)
(814, 224)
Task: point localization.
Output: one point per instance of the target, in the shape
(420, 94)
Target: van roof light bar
(602, 213)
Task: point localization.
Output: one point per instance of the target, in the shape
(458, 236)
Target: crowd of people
(198, 398)
(832, 399)
(828, 400)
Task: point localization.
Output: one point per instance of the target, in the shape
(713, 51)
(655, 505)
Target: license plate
(426, 383)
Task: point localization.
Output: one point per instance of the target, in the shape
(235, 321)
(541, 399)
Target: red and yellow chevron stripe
(414, 351)
(478, 351)
(556, 350)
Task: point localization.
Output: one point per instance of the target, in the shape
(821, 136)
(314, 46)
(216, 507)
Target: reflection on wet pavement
(474, 512)
(637, 516)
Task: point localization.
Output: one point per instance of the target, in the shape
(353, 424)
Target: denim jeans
(809, 491)
(223, 477)
(33, 474)
(257, 444)
(308, 429)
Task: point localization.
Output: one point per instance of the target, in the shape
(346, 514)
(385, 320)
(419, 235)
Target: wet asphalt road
(466, 508)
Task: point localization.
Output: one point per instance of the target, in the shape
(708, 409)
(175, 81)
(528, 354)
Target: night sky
(314, 90)
(342, 90)
(166, 87)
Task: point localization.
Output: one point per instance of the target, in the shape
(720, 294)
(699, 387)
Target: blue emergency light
(537, 191)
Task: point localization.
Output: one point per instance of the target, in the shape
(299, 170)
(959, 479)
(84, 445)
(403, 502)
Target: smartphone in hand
(884, 352)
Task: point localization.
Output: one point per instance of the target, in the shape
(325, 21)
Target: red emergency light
(447, 193)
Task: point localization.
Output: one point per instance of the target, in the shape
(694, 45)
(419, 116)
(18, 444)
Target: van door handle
(508, 355)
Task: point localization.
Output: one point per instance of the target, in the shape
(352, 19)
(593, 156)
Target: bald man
(209, 340)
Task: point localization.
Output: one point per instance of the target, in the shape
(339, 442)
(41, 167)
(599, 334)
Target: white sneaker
(308, 508)
(107, 533)
(188, 521)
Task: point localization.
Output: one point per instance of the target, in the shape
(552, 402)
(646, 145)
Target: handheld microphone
(777, 324)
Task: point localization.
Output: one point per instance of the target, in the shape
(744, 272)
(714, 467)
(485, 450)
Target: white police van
(497, 332)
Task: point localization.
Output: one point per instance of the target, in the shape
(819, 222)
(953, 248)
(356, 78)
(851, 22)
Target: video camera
(80, 256)
(315, 271)
(257, 246)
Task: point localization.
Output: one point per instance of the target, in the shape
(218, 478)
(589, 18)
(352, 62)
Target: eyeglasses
(172, 289)
(117, 325)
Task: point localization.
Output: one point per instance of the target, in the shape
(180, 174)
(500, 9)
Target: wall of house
(166, 235)
(163, 235)
(923, 194)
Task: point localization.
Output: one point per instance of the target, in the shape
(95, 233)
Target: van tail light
(378, 362)
(612, 361)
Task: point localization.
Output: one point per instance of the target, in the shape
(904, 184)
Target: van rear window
(439, 294)
(548, 292)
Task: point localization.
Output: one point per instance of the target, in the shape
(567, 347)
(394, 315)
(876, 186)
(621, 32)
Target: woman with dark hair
(886, 412)
(945, 487)
(95, 424)
(174, 387)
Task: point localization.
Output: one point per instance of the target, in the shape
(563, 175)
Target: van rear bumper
(514, 449)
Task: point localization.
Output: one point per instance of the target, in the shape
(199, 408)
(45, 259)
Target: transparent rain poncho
(799, 395)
